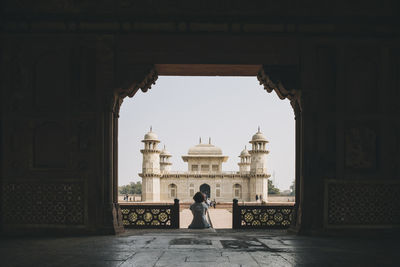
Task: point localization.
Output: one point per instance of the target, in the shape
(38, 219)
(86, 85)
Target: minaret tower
(258, 167)
(245, 159)
(150, 168)
(165, 164)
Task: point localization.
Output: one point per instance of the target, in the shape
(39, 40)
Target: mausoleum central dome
(205, 150)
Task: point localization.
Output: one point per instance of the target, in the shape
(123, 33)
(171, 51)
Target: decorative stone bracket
(143, 77)
(284, 80)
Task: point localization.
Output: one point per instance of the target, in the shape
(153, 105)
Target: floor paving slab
(172, 258)
(210, 256)
(186, 247)
(269, 259)
(220, 218)
(143, 258)
(241, 258)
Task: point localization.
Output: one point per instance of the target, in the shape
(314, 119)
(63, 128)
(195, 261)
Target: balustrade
(244, 216)
(150, 216)
(261, 216)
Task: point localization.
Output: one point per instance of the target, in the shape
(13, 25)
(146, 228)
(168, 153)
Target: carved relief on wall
(360, 148)
(395, 90)
(16, 148)
(82, 147)
(50, 148)
(17, 78)
(51, 80)
(397, 152)
(83, 78)
(329, 157)
(37, 148)
(201, 7)
(105, 72)
(85, 129)
(358, 203)
(362, 82)
(149, 7)
(326, 62)
(57, 5)
(43, 203)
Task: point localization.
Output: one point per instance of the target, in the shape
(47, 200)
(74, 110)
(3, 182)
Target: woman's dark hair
(198, 197)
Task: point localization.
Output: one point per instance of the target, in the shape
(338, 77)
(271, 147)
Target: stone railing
(150, 216)
(261, 216)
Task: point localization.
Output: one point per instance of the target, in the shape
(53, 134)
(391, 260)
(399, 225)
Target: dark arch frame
(284, 80)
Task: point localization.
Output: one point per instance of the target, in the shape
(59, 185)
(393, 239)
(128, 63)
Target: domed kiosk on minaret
(165, 164)
(151, 136)
(258, 153)
(245, 161)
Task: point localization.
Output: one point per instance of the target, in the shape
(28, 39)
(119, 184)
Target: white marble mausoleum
(204, 173)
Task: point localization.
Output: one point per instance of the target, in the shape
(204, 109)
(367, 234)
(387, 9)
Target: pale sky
(227, 109)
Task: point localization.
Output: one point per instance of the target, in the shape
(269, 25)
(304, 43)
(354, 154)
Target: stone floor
(220, 218)
(185, 218)
(198, 248)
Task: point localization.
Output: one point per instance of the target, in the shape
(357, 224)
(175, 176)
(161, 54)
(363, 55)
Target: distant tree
(272, 190)
(293, 188)
(131, 188)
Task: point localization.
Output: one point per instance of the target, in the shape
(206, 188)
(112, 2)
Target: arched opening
(173, 191)
(237, 190)
(205, 189)
(191, 190)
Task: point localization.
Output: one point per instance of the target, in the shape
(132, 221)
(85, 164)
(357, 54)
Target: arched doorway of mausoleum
(205, 189)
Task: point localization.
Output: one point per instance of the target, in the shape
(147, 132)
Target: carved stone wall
(49, 135)
(219, 8)
(43, 203)
(362, 203)
(360, 148)
(63, 80)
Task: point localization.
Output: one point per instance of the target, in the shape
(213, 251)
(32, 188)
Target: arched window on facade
(237, 191)
(172, 190)
(218, 190)
(191, 190)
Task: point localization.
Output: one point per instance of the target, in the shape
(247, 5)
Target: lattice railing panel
(362, 203)
(150, 216)
(262, 216)
(43, 203)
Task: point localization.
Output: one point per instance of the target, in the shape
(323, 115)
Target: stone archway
(284, 80)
